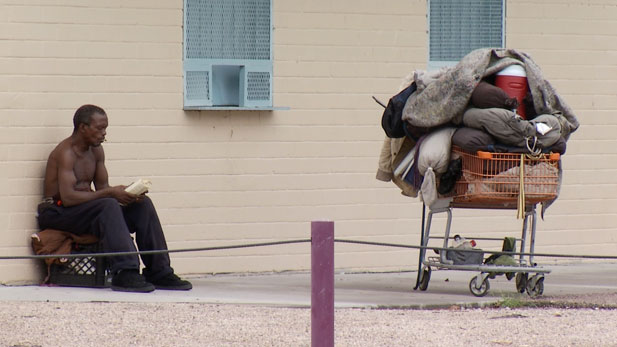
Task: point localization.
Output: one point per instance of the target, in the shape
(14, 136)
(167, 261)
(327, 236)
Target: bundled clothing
(477, 114)
(514, 131)
(443, 97)
(56, 242)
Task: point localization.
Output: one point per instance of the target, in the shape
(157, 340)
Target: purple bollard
(322, 284)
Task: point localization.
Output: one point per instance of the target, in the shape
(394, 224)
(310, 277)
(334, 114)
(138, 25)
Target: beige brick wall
(575, 43)
(224, 178)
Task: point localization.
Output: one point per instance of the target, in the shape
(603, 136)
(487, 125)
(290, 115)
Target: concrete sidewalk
(446, 287)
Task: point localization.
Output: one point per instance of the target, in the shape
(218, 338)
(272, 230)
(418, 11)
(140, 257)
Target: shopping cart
(495, 181)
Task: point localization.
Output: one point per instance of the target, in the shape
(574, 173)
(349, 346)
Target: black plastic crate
(81, 272)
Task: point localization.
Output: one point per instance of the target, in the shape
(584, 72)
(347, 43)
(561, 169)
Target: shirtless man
(112, 214)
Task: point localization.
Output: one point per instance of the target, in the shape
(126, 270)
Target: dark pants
(113, 224)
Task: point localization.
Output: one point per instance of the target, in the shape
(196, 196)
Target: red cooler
(513, 81)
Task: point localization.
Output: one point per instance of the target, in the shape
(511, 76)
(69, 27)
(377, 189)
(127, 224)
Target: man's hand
(124, 198)
(140, 198)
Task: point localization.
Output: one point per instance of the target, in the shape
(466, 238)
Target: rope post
(322, 284)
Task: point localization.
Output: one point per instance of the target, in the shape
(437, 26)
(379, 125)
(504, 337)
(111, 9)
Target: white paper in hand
(139, 187)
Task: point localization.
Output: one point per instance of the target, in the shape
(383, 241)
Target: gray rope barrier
(548, 255)
(113, 254)
(275, 243)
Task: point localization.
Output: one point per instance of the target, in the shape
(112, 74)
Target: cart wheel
(521, 281)
(535, 286)
(479, 291)
(426, 276)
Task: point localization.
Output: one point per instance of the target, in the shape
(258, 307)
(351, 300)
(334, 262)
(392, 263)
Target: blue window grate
(227, 53)
(197, 85)
(224, 29)
(457, 27)
(258, 85)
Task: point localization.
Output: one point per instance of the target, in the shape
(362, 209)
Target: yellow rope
(520, 213)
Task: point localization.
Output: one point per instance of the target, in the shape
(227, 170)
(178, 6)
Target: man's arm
(101, 179)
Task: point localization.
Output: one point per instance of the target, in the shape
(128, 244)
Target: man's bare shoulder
(62, 151)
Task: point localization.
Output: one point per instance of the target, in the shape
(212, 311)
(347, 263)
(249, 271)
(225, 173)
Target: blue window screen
(227, 53)
(457, 27)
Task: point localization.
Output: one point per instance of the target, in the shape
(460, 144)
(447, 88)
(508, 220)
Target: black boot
(130, 281)
(172, 282)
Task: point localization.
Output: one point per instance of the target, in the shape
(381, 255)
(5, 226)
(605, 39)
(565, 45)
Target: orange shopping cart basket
(494, 179)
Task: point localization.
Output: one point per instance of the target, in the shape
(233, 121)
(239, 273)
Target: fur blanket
(442, 97)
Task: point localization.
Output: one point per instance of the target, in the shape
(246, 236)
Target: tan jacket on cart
(392, 153)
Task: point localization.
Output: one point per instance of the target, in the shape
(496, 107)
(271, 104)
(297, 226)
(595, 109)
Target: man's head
(84, 114)
(90, 123)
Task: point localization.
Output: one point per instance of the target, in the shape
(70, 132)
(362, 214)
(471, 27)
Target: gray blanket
(442, 97)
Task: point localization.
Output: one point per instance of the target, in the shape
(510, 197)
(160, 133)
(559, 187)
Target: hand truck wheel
(426, 276)
(535, 286)
(521, 281)
(478, 288)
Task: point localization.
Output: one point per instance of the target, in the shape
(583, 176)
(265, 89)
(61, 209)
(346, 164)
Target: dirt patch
(595, 300)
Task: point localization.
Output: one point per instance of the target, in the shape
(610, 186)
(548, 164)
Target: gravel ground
(565, 321)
